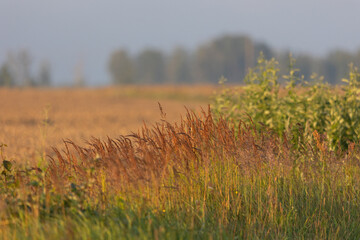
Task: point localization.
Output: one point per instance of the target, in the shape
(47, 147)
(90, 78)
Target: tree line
(230, 56)
(16, 71)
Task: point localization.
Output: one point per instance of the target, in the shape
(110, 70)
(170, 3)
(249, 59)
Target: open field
(34, 120)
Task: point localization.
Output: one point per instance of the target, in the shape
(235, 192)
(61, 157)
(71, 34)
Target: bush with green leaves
(289, 103)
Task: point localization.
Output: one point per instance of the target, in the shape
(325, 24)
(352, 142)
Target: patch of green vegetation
(311, 107)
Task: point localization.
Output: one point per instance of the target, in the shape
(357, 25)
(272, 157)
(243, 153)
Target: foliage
(310, 107)
(150, 67)
(229, 56)
(199, 178)
(121, 68)
(6, 78)
(178, 68)
(16, 71)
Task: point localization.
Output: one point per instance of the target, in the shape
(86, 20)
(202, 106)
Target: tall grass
(199, 178)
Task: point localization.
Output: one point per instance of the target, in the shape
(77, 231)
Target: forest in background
(230, 56)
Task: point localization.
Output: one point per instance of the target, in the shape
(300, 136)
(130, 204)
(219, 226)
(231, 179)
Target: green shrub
(295, 106)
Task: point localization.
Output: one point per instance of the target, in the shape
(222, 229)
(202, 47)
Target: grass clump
(289, 103)
(200, 178)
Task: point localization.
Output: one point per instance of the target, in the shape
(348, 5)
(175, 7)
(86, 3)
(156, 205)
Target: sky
(72, 32)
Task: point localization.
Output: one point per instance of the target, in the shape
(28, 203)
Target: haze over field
(85, 32)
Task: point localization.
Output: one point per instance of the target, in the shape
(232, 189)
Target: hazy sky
(70, 31)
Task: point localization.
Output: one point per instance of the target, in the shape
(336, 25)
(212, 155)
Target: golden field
(32, 121)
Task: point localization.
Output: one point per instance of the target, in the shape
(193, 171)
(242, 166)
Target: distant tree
(19, 65)
(121, 67)
(230, 56)
(308, 65)
(336, 65)
(44, 75)
(6, 79)
(178, 67)
(357, 59)
(150, 66)
(265, 49)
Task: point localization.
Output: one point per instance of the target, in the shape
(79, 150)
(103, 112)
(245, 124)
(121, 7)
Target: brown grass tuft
(153, 154)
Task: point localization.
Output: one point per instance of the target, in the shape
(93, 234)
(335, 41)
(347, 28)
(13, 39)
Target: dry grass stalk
(153, 154)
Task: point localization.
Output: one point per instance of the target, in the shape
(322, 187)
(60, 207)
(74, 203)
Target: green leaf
(7, 165)
(34, 184)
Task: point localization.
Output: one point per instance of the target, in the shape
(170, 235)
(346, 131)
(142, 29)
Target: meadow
(35, 120)
(268, 160)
